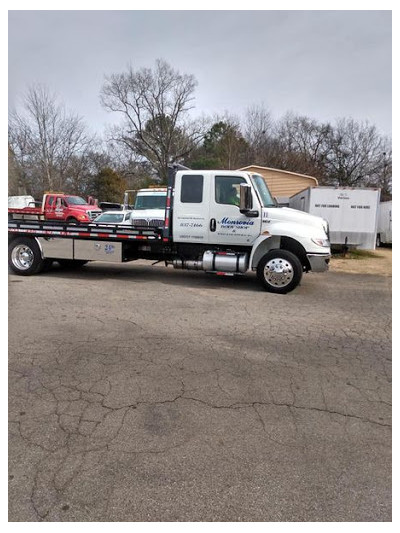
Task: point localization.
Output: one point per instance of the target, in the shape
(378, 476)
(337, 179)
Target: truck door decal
(232, 226)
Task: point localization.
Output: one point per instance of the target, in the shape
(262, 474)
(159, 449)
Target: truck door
(59, 211)
(49, 207)
(227, 225)
(191, 207)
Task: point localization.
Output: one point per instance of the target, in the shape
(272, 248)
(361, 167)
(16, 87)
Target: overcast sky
(322, 64)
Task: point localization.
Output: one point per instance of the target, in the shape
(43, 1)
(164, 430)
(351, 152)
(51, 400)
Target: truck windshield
(75, 200)
(150, 202)
(263, 191)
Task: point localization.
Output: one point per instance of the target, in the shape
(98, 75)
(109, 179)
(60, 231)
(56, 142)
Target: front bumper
(319, 262)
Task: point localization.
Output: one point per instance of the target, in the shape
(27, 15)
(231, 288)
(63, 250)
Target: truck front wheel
(24, 256)
(279, 271)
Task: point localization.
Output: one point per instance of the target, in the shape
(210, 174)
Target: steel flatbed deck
(90, 231)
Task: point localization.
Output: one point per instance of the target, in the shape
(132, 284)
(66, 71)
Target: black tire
(72, 220)
(279, 271)
(25, 257)
(71, 263)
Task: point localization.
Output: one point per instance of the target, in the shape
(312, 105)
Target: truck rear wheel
(279, 271)
(25, 257)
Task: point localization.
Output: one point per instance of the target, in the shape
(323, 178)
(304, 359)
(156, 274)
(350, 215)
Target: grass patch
(358, 254)
(363, 254)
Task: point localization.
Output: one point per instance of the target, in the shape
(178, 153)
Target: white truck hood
(148, 213)
(293, 215)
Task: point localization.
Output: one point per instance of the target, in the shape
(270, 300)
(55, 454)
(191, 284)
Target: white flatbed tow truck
(219, 221)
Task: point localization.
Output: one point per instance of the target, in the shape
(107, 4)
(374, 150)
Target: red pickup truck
(59, 206)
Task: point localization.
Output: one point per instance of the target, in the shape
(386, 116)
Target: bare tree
(303, 144)
(155, 106)
(45, 139)
(134, 168)
(19, 147)
(258, 133)
(383, 177)
(15, 183)
(355, 155)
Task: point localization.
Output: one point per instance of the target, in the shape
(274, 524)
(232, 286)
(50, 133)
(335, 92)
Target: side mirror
(246, 199)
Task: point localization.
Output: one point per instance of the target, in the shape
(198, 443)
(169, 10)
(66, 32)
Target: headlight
(82, 217)
(321, 242)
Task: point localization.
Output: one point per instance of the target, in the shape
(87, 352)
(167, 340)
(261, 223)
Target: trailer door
(389, 233)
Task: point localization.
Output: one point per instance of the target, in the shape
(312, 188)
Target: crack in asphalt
(76, 414)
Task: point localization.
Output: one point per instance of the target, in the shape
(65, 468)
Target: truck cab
(59, 206)
(149, 206)
(69, 207)
(235, 209)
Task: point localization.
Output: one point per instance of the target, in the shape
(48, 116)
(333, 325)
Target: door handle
(213, 224)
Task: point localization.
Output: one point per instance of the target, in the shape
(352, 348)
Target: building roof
(293, 174)
(283, 182)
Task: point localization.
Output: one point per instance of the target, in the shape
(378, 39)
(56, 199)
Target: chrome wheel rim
(22, 257)
(278, 272)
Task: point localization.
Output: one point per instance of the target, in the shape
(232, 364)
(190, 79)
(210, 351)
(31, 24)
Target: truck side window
(51, 200)
(227, 189)
(192, 189)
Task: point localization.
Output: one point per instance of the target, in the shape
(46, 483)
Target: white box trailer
(352, 213)
(384, 230)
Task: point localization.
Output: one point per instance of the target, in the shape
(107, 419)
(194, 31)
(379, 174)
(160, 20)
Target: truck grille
(152, 222)
(156, 222)
(139, 222)
(93, 214)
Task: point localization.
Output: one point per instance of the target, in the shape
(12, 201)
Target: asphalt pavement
(140, 393)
